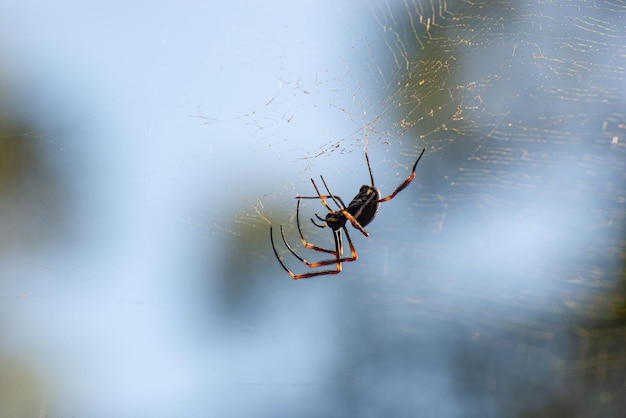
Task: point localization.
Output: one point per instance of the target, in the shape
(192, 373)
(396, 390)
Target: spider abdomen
(364, 205)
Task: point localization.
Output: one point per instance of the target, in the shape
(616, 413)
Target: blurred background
(144, 147)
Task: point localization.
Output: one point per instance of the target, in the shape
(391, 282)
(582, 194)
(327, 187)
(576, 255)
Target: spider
(360, 212)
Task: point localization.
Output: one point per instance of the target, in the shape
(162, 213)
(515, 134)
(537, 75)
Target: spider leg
(367, 160)
(337, 253)
(292, 251)
(336, 199)
(336, 261)
(324, 225)
(320, 196)
(323, 197)
(354, 222)
(280, 260)
(305, 275)
(320, 218)
(404, 184)
(339, 244)
(337, 269)
(304, 242)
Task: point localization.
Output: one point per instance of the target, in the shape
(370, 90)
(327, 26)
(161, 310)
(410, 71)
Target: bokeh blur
(144, 147)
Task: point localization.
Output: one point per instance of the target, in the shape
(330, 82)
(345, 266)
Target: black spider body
(363, 208)
(360, 212)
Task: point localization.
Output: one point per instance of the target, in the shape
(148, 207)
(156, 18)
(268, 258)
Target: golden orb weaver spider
(360, 212)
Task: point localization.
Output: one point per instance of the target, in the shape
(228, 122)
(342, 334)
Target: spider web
(514, 242)
(492, 284)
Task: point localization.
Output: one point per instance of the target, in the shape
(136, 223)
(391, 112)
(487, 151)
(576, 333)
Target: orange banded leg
(337, 261)
(338, 251)
(405, 183)
(305, 243)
